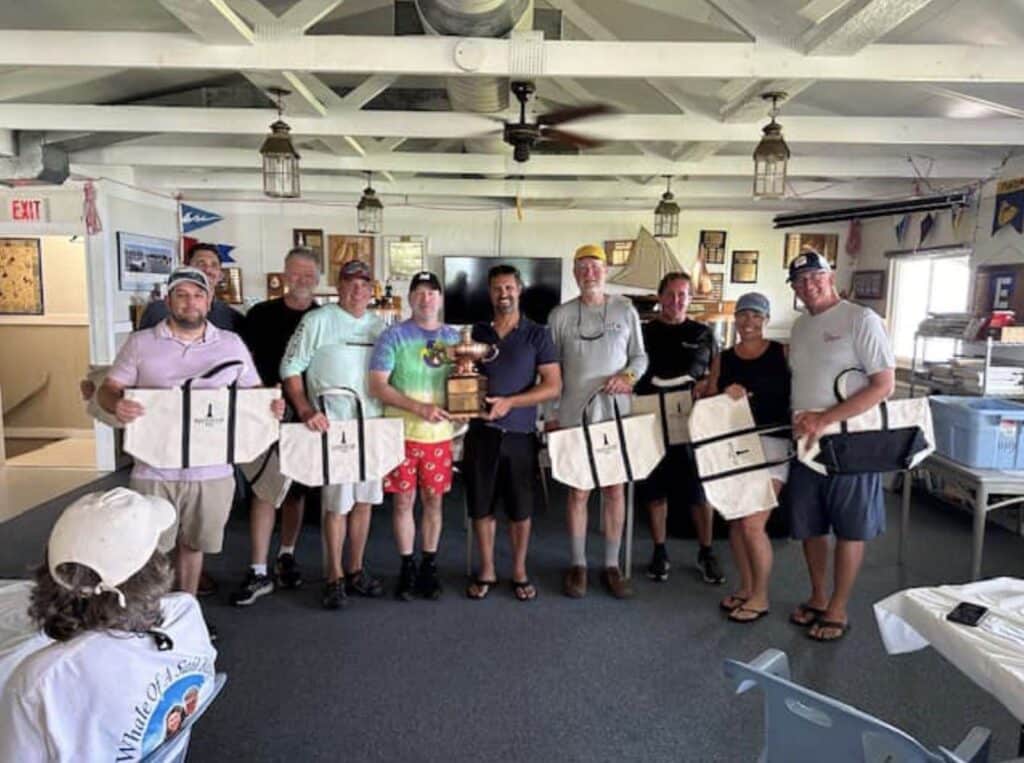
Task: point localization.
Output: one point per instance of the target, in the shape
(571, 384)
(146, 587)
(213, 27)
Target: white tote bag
(351, 450)
(730, 460)
(671, 405)
(613, 452)
(184, 427)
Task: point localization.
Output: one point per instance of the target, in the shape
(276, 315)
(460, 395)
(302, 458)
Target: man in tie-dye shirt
(408, 371)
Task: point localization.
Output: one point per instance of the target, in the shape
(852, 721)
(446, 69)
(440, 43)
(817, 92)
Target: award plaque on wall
(712, 246)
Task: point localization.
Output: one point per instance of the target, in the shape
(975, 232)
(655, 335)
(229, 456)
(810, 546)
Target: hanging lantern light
(666, 214)
(771, 156)
(369, 210)
(280, 159)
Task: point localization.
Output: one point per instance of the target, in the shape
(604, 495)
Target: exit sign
(28, 210)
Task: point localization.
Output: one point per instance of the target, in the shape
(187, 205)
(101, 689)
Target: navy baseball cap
(355, 269)
(755, 302)
(424, 278)
(808, 261)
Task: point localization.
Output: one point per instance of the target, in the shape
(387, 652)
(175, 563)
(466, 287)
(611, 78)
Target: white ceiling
(167, 94)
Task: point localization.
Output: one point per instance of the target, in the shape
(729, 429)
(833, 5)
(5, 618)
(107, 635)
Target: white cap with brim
(114, 534)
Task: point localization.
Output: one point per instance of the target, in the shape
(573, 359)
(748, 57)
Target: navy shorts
(674, 477)
(849, 505)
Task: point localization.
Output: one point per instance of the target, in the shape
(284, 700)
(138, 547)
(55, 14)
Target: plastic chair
(802, 726)
(175, 749)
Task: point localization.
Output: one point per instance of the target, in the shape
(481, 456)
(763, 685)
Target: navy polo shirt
(522, 350)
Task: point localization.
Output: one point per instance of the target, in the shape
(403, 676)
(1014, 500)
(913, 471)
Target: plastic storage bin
(985, 432)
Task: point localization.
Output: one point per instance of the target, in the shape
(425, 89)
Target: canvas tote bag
(624, 449)
(671, 405)
(730, 460)
(351, 450)
(895, 435)
(185, 427)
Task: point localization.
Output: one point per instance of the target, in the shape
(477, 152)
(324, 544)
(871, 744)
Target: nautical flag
(223, 250)
(901, 228)
(927, 223)
(194, 218)
(1009, 205)
(956, 216)
(853, 238)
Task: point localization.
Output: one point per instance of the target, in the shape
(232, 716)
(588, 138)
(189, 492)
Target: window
(923, 285)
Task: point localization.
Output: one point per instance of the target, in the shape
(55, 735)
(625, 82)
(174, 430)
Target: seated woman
(111, 655)
(758, 368)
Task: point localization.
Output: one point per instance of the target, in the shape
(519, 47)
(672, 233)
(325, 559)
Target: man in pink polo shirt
(183, 346)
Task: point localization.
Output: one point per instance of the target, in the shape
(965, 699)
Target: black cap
(808, 261)
(424, 278)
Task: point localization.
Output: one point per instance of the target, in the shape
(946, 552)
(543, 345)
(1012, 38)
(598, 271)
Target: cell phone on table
(966, 613)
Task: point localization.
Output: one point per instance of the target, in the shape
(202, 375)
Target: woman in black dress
(758, 368)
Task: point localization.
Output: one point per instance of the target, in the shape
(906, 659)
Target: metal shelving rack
(955, 389)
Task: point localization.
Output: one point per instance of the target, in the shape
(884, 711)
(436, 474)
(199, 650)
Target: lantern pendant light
(771, 155)
(280, 159)
(369, 210)
(666, 214)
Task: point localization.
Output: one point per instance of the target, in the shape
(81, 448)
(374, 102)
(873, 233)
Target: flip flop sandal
(483, 587)
(832, 625)
(806, 609)
(739, 601)
(524, 590)
(757, 615)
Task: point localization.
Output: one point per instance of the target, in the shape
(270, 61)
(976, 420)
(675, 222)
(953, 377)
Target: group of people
(108, 567)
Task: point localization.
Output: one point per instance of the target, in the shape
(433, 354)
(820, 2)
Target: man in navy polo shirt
(501, 450)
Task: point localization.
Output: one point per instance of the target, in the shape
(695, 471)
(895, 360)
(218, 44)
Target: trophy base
(466, 397)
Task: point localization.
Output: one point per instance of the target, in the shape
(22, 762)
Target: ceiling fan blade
(575, 112)
(568, 138)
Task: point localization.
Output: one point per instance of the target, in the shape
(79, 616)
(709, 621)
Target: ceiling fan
(523, 136)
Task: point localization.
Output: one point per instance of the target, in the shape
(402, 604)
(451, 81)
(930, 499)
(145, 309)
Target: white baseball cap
(114, 534)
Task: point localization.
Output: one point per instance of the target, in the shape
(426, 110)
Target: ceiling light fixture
(280, 159)
(771, 155)
(369, 210)
(666, 214)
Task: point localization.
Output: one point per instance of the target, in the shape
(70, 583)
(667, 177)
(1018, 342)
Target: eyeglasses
(579, 321)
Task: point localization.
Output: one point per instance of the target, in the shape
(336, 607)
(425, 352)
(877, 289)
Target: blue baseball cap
(808, 261)
(755, 302)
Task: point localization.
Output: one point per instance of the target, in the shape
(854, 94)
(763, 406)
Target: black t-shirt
(766, 378)
(676, 349)
(268, 327)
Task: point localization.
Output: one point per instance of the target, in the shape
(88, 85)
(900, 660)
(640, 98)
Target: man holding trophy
(500, 460)
(408, 372)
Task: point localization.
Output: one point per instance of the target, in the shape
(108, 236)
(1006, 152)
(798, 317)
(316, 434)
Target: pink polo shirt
(156, 359)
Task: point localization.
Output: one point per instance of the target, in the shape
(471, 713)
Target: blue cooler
(984, 432)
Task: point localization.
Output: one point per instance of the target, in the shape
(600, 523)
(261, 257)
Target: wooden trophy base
(466, 397)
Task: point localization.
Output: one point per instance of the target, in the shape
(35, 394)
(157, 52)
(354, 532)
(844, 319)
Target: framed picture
(868, 284)
(744, 266)
(341, 249)
(618, 250)
(21, 277)
(313, 238)
(144, 260)
(823, 243)
(405, 256)
(230, 287)
(712, 246)
(276, 286)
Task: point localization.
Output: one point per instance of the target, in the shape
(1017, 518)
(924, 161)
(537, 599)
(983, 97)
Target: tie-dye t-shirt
(418, 365)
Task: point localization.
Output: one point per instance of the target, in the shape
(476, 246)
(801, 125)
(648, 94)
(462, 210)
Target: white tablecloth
(991, 654)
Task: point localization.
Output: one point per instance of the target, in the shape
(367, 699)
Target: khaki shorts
(202, 507)
(265, 478)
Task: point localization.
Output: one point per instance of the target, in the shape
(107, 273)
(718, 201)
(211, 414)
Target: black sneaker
(253, 587)
(406, 581)
(334, 596)
(287, 572)
(659, 567)
(362, 583)
(428, 585)
(709, 568)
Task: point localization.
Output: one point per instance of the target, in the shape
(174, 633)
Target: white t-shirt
(824, 345)
(107, 695)
(19, 636)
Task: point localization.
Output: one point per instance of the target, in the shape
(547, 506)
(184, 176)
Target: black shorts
(674, 478)
(500, 467)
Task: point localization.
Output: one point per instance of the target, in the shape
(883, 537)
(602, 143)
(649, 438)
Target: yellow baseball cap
(590, 250)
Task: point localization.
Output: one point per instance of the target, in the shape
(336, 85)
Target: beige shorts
(202, 507)
(265, 478)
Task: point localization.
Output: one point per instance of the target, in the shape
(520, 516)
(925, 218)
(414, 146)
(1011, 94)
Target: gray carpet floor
(558, 679)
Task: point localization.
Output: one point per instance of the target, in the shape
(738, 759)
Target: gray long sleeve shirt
(617, 346)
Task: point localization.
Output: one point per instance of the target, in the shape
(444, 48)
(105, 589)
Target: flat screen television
(466, 298)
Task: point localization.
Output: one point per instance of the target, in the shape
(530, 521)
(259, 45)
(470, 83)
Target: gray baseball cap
(755, 302)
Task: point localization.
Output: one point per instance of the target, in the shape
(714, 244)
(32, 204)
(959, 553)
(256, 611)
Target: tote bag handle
(360, 431)
(186, 411)
(839, 396)
(590, 445)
